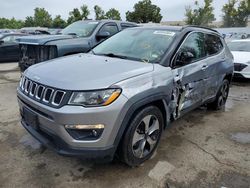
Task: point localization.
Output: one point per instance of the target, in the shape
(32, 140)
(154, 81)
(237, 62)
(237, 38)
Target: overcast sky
(172, 10)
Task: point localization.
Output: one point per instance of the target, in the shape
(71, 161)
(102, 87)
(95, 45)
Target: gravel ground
(202, 149)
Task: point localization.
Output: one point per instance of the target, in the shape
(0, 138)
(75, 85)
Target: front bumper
(52, 121)
(242, 74)
(56, 144)
(241, 70)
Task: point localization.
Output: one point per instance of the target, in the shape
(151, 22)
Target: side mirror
(184, 57)
(103, 35)
(1, 42)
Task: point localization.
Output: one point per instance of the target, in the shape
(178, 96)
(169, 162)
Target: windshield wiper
(74, 34)
(119, 56)
(114, 55)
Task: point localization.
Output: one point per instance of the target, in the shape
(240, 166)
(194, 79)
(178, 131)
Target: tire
(22, 67)
(221, 97)
(138, 136)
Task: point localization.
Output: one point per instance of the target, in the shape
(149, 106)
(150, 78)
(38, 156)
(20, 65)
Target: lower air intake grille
(239, 66)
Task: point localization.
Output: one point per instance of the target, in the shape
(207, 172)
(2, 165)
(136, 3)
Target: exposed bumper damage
(32, 54)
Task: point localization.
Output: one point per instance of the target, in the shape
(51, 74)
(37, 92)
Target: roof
(15, 33)
(161, 27)
(177, 28)
(106, 21)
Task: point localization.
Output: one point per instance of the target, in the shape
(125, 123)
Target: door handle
(204, 67)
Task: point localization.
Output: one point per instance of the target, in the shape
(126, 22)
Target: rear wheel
(142, 137)
(221, 97)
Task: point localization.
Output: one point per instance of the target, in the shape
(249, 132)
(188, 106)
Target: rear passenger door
(214, 64)
(188, 73)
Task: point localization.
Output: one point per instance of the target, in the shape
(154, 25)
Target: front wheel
(22, 67)
(142, 136)
(221, 97)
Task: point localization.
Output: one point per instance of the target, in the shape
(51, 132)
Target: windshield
(239, 46)
(80, 29)
(146, 45)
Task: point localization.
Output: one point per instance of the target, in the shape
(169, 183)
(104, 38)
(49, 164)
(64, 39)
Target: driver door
(188, 71)
(9, 50)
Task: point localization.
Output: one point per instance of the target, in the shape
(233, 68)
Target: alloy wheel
(145, 136)
(223, 94)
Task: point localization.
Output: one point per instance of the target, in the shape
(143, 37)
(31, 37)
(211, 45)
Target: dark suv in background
(9, 49)
(78, 37)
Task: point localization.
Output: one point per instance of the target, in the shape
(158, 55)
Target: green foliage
(113, 14)
(200, 15)
(29, 21)
(99, 13)
(11, 23)
(236, 13)
(58, 22)
(144, 12)
(76, 14)
(85, 12)
(42, 18)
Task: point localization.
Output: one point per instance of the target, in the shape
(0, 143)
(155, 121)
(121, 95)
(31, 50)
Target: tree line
(235, 13)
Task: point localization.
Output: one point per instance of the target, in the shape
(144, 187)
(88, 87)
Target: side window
(8, 39)
(213, 44)
(111, 28)
(191, 50)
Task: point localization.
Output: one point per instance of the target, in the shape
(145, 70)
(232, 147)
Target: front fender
(136, 103)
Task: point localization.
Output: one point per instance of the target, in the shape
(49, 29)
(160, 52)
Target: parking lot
(202, 149)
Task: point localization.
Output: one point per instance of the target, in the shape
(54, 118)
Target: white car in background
(241, 52)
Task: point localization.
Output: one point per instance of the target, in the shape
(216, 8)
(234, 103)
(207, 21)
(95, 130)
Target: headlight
(95, 98)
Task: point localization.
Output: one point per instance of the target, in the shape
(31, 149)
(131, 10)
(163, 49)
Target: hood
(85, 71)
(76, 42)
(241, 57)
(42, 39)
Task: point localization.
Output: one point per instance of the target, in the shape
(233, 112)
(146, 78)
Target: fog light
(80, 127)
(85, 132)
(94, 132)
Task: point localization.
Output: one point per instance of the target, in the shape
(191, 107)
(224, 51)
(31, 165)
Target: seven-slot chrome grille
(42, 93)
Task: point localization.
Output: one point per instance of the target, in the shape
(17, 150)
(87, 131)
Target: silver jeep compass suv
(119, 97)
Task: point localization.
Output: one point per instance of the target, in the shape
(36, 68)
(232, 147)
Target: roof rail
(202, 27)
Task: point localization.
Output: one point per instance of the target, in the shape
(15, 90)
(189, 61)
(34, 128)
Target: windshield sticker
(167, 33)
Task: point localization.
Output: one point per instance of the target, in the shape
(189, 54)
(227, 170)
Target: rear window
(213, 44)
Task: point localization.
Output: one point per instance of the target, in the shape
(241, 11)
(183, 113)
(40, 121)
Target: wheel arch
(229, 77)
(159, 101)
